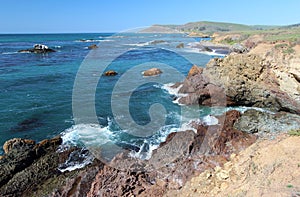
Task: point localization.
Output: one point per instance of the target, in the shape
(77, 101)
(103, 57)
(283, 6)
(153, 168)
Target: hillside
(209, 27)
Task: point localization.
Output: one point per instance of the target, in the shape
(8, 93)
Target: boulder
(181, 45)
(152, 72)
(110, 73)
(238, 48)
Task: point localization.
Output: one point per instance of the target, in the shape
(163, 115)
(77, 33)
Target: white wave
(173, 91)
(88, 134)
(8, 53)
(92, 40)
(58, 47)
(139, 44)
(116, 36)
(195, 50)
(242, 109)
(210, 120)
(76, 160)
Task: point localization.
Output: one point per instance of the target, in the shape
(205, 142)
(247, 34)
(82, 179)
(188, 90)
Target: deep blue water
(36, 89)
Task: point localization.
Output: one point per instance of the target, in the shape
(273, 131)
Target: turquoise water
(36, 89)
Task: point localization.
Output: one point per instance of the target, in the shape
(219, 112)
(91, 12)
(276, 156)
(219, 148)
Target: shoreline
(235, 134)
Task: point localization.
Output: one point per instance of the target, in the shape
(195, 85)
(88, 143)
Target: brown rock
(93, 46)
(17, 143)
(241, 79)
(195, 70)
(152, 72)
(181, 45)
(110, 73)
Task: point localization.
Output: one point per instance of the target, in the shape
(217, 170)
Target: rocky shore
(205, 160)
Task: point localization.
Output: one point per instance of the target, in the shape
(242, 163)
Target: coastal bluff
(265, 77)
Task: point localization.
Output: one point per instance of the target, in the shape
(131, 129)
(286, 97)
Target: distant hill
(207, 27)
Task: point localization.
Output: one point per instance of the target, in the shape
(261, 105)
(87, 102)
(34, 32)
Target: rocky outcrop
(38, 48)
(267, 124)
(152, 72)
(239, 79)
(26, 164)
(30, 169)
(266, 168)
(183, 155)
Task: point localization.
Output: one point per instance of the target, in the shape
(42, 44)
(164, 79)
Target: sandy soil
(267, 168)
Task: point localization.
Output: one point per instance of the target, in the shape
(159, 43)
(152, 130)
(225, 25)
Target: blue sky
(49, 16)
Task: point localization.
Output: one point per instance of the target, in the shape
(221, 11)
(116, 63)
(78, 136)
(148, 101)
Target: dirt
(266, 168)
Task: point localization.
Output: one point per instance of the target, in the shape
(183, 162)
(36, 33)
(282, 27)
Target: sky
(68, 16)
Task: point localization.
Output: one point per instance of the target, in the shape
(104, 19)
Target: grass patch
(294, 133)
(289, 186)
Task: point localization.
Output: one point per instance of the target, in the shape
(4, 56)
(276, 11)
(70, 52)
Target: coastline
(88, 180)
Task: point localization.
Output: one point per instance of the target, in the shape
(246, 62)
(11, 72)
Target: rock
(157, 42)
(93, 46)
(18, 144)
(238, 48)
(152, 72)
(37, 48)
(181, 45)
(195, 70)
(264, 123)
(25, 165)
(33, 171)
(239, 79)
(110, 73)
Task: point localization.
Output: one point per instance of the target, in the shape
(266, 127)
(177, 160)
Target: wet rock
(152, 72)
(181, 45)
(110, 73)
(25, 164)
(37, 48)
(93, 46)
(157, 42)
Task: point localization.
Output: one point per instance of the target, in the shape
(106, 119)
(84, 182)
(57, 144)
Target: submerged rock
(152, 72)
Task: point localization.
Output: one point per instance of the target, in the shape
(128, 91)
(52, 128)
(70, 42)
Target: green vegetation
(289, 186)
(294, 133)
(286, 49)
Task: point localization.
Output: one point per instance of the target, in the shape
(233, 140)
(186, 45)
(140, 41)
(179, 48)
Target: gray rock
(262, 123)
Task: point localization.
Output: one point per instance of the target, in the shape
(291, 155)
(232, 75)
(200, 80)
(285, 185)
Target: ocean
(60, 93)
